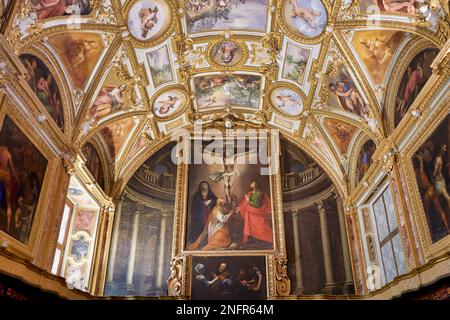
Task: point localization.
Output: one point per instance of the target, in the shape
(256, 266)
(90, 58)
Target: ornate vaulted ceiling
(129, 73)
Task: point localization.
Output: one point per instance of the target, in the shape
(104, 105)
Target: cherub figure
(309, 15)
(168, 104)
(149, 19)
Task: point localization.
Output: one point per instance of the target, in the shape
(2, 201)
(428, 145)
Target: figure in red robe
(256, 211)
(55, 8)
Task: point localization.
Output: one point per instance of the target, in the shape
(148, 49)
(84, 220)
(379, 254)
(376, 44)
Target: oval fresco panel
(287, 101)
(149, 19)
(226, 53)
(169, 102)
(308, 18)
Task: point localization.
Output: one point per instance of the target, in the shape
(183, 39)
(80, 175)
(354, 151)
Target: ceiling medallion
(304, 19)
(149, 21)
(169, 102)
(286, 99)
(227, 53)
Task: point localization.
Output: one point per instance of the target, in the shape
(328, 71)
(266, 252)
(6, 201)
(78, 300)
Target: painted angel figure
(109, 99)
(284, 100)
(149, 19)
(229, 161)
(167, 104)
(308, 15)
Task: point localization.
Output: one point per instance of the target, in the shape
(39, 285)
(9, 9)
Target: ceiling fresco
(317, 70)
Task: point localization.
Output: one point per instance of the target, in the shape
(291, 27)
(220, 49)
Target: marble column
(330, 285)
(161, 249)
(297, 258)
(115, 240)
(348, 283)
(133, 247)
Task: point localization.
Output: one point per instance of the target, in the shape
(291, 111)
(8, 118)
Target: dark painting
(94, 164)
(413, 80)
(229, 205)
(364, 160)
(229, 278)
(432, 169)
(22, 171)
(44, 85)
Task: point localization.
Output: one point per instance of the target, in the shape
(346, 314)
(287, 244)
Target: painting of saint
(376, 48)
(203, 202)
(306, 17)
(169, 103)
(210, 15)
(343, 93)
(226, 53)
(54, 8)
(415, 77)
(116, 134)
(148, 19)
(22, 170)
(364, 160)
(44, 85)
(398, 6)
(219, 91)
(109, 99)
(287, 101)
(79, 52)
(341, 133)
(94, 164)
(229, 203)
(295, 63)
(160, 68)
(432, 168)
(229, 278)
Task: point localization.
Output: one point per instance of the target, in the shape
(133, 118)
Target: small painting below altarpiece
(229, 278)
(229, 203)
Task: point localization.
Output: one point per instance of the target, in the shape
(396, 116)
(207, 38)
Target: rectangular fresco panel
(432, 168)
(22, 171)
(229, 204)
(229, 278)
(295, 63)
(209, 15)
(218, 91)
(159, 65)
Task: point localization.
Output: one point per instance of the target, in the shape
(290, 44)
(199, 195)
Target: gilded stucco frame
(431, 249)
(30, 249)
(179, 253)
